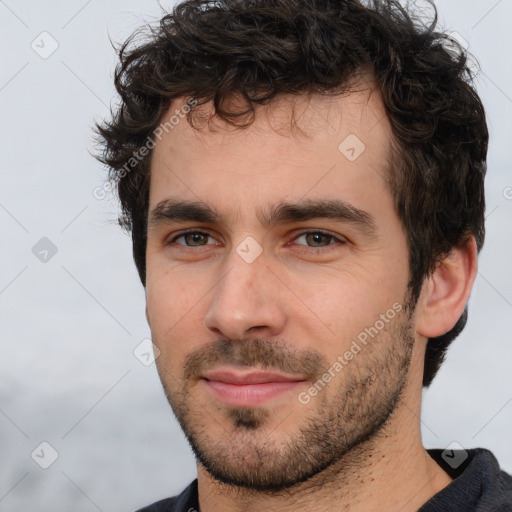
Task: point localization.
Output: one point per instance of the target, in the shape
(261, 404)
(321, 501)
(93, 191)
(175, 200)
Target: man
(303, 181)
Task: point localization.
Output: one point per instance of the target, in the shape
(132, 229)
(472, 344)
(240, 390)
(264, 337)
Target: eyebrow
(174, 210)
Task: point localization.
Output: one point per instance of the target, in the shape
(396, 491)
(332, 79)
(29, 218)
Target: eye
(309, 239)
(192, 239)
(317, 239)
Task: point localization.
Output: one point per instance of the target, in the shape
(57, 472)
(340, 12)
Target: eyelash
(299, 235)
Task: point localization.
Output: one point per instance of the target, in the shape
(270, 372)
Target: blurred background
(84, 424)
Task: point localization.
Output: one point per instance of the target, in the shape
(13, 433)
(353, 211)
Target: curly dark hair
(211, 50)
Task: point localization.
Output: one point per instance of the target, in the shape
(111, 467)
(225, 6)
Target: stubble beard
(335, 426)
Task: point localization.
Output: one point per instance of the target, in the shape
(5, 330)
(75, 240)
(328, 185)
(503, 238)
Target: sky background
(72, 306)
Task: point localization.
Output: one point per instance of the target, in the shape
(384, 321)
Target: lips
(245, 378)
(249, 388)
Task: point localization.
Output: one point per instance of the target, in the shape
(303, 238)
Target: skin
(303, 299)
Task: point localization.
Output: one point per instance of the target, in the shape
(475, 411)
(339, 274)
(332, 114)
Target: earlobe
(446, 292)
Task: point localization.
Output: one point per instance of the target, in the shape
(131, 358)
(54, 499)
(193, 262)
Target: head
(255, 111)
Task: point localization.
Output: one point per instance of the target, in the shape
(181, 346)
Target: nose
(247, 298)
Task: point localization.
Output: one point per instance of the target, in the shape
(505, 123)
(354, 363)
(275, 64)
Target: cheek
(343, 303)
(170, 292)
(174, 311)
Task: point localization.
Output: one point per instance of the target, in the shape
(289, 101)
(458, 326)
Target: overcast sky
(72, 307)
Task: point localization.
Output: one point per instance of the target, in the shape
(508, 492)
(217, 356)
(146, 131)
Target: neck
(392, 471)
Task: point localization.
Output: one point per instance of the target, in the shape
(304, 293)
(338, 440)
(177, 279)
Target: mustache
(264, 354)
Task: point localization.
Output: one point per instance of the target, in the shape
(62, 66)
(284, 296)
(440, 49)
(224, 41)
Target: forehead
(296, 147)
(305, 118)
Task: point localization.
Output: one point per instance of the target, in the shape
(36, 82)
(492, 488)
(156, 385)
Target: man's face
(278, 308)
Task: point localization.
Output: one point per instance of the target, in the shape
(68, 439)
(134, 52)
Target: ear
(446, 292)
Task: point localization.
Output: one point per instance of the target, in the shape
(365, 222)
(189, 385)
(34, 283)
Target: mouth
(242, 388)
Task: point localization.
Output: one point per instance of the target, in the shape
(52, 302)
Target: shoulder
(166, 505)
(187, 501)
(478, 482)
